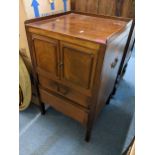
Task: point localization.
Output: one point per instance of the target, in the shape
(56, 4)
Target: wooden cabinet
(76, 58)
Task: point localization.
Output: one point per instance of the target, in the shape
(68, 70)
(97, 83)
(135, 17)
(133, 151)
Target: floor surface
(56, 134)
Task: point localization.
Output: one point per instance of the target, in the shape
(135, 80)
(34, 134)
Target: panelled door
(46, 55)
(71, 65)
(78, 65)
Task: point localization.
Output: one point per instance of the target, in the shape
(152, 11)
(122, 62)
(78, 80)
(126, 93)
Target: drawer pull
(63, 91)
(113, 64)
(61, 64)
(54, 85)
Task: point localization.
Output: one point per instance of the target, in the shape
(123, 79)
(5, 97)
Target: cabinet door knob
(113, 64)
(61, 64)
(64, 90)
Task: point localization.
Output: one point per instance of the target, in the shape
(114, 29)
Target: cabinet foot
(124, 70)
(42, 108)
(108, 100)
(88, 136)
(114, 91)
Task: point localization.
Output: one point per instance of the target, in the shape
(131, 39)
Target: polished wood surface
(75, 72)
(86, 27)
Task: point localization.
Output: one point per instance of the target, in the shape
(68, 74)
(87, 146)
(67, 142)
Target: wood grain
(122, 8)
(79, 26)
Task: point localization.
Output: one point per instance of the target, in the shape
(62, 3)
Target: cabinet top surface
(91, 28)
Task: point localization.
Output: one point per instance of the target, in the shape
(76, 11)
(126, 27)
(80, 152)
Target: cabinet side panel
(111, 64)
(129, 51)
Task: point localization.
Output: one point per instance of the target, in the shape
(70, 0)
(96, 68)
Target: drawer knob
(113, 64)
(61, 64)
(63, 90)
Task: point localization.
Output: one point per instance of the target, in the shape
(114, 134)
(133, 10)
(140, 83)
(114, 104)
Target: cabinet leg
(111, 95)
(133, 45)
(42, 108)
(88, 135)
(114, 91)
(90, 125)
(124, 70)
(41, 104)
(108, 100)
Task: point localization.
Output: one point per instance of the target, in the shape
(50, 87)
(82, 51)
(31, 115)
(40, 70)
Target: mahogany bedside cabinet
(76, 58)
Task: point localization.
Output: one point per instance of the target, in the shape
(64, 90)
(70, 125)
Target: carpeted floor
(56, 134)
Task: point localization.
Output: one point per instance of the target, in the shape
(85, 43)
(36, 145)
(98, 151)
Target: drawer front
(47, 83)
(65, 106)
(64, 91)
(74, 95)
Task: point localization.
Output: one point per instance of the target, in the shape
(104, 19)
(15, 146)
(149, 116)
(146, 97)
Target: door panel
(46, 53)
(78, 65)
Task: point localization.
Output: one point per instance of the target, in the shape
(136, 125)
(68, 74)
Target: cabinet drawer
(47, 83)
(64, 91)
(74, 95)
(65, 106)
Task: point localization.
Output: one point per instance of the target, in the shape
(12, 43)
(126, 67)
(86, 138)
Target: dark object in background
(120, 8)
(24, 86)
(26, 59)
(21, 98)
